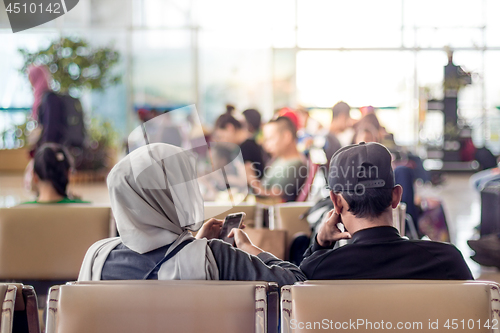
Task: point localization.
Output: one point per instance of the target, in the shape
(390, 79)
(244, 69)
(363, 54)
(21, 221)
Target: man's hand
(328, 230)
(210, 229)
(243, 242)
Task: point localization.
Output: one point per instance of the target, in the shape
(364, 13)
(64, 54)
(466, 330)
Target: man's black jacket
(381, 253)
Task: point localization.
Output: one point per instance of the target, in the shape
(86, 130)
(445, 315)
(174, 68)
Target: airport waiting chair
(371, 305)
(272, 292)
(399, 218)
(48, 242)
(158, 306)
(26, 319)
(305, 190)
(490, 276)
(8, 297)
(290, 217)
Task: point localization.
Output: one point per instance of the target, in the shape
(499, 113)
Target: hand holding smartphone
(231, 221)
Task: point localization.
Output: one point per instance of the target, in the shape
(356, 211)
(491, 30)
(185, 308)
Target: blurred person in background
(229, 129)
(287, 171)
(230, 109)
(369, 129)
(39, 78)
(253, 119)
(47, 109)
(310, 128)
(309, 125)
(52, 166)
(340, 133)
(160, 127)
(366, 134)
(290, 114)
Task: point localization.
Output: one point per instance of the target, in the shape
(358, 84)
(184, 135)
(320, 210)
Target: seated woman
(156, 202)
(52, 165)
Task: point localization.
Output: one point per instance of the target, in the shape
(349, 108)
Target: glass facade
(274, 53)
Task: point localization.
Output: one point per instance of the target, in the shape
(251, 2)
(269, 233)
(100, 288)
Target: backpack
(73, 134)
(75, 130)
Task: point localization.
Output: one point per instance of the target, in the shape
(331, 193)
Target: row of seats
(48, 242)
(232, 306)
(19, 309)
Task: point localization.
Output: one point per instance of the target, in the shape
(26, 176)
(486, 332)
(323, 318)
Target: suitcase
(432, 221)
(490, 208)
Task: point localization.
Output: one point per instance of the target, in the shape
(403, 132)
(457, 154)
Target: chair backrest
(289, 217)
(157, 306)
(490, 276)
(272, 241)
(48, 242)
(26, 309)
(378, 305)
(306, 188)
(272, 291)
(8, 297)
(399, 218)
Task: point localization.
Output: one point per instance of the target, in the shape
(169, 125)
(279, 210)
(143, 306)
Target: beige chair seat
(413, 305)
(158, 306)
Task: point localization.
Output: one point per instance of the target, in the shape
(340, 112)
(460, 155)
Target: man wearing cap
(364, 193)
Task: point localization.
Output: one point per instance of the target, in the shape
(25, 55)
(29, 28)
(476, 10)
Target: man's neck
(357, 224)
(290, 153)
(335, 129)
(242, 135)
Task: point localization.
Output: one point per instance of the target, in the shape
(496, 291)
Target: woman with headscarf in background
(156, 203)
(47, 108)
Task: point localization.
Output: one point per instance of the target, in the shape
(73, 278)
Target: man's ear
(286, 136)
(35, 179)
(397, 193)
(337, 202)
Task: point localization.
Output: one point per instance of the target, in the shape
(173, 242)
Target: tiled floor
(461, 203)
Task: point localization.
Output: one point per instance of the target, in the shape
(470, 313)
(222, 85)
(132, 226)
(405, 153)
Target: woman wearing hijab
(156, 203)
(47, 107)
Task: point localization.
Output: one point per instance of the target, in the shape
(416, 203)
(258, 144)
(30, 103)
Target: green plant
(98, 153)
(101, 132)
(75, 65)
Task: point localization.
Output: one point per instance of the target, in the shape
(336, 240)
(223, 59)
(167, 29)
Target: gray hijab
(156, 201)
(155, 196)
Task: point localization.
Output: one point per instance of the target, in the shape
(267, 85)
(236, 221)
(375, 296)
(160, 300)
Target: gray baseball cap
(361, 166)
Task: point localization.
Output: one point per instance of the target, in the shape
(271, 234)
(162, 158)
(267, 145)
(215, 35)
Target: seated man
(286, 173)
(363, 192)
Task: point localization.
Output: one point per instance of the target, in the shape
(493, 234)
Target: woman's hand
(243, 242)
(210, 229)
(328, 230)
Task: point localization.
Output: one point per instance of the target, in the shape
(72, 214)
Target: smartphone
(231, 221)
